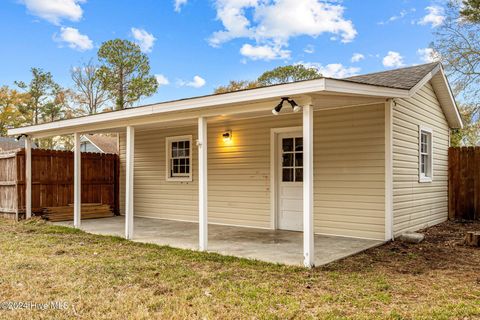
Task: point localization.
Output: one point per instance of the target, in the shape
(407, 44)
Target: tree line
(115, 80)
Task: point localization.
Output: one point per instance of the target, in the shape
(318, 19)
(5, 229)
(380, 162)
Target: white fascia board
(122, 117)
(298, 88)
(348, 87)
(452, 104)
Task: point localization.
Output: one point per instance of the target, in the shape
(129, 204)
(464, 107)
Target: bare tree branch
(89, 91)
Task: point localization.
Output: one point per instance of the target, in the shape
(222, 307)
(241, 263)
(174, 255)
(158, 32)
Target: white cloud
(357, 57)
(197, 82)
(179, 4)
(309, 49)
(393, 60)
(332, 70)
(428, 55)
(162, 80)
(274, 22)
(74, 39)
(264, 52)
(435, 16)
(400, 16)
(55, 11)
(144, 39)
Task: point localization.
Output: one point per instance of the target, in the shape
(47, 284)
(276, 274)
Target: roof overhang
(212, 105)
(444, 94)
(252, 100)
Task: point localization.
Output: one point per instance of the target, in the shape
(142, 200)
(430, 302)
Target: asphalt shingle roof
(7, 143)
(404, 78)
(107, 144)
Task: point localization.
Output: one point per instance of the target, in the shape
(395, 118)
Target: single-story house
(9, 143)
(98, 143)
(364, 157)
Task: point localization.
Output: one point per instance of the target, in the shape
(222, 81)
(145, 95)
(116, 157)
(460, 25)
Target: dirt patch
(442, 249)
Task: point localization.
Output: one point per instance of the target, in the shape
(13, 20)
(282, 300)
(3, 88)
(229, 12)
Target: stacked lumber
(472, 238)
(89, 211)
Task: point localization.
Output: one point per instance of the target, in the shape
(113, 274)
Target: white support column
(308, 230)
(77, 182)
(202, 185)
(28, 177)
(389, 170)
(130, 155)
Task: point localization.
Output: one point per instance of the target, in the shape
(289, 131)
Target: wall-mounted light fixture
(21, 136)
(278, 108)
(227, 136)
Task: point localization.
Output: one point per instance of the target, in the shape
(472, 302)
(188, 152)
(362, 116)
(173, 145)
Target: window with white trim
(179, 158)
(425, 161)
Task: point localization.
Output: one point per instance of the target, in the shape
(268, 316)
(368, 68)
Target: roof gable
(105, 144)
(404, 78)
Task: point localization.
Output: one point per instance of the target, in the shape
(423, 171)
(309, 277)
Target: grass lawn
(110, 278)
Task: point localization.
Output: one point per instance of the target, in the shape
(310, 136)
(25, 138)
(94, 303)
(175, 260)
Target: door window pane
(287, 160)
(299, 144)
(298, 159)
(287, 145)
(287, 175)
(299, 174)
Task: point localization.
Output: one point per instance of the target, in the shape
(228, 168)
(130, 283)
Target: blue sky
(196, 45)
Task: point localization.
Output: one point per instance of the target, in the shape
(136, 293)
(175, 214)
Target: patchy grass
(111, 278)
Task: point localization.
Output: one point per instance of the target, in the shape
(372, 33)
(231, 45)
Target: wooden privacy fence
(464, 183)
(52, 180)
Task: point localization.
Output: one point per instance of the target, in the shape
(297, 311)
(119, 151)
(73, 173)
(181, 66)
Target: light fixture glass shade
(227, 136)
(297, 108)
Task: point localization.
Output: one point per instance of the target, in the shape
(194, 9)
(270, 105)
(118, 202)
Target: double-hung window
(179, 158)
(425, 161)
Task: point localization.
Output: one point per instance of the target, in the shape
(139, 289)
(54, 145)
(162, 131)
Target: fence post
(28, 178)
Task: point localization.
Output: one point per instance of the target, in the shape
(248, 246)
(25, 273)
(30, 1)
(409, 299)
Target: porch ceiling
(276, 246)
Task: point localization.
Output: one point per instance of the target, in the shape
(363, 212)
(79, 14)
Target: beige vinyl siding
(417, 205)
(239, 173)
(348, 168)
(153, 195)
(349, 171)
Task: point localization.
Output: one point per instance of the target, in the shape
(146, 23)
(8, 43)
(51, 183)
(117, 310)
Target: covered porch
(276, 246)
(319, 167)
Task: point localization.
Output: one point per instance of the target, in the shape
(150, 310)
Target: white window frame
(168, 158)
(425, 177)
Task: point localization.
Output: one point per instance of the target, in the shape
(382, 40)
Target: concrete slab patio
(277, 246)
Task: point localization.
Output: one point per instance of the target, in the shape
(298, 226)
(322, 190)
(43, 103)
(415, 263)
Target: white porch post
(28, 177)
(202, 185)
(308, 231)
(77, 182)
(130, 155)
(389, 170)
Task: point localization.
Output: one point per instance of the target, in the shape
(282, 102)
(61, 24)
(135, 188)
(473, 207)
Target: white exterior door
(290, 181)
